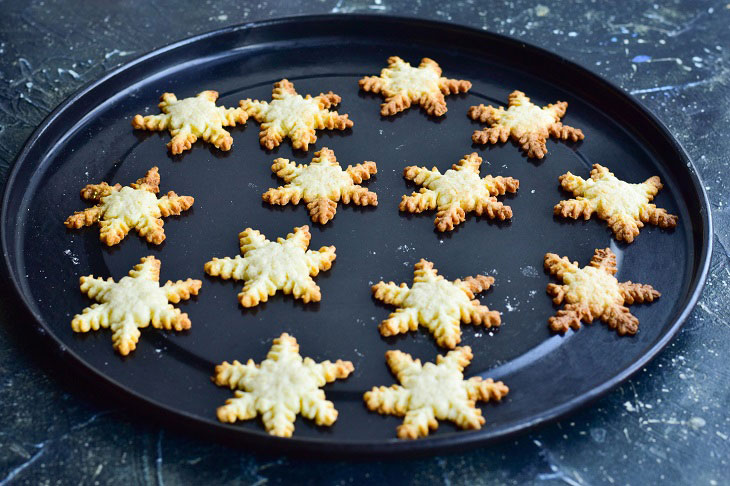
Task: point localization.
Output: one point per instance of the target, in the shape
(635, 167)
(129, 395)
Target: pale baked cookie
(267, 266)
(458, 191)
(134, 302)
(321, 184)
(527, 124)
(291, 115)
(435, 303)
(190, 118)
(120, 209)
(431, 392)
(281, 387)
(624, 206)
(401, 84)
(593, 292)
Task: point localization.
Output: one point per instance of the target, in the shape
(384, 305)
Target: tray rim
(259, 440)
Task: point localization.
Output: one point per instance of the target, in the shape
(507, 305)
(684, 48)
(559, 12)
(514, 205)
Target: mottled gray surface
(668, 424)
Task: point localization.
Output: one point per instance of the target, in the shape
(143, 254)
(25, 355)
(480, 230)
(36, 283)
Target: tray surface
(89, 139)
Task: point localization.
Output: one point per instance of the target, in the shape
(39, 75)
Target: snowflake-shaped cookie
(321, 184)
(435, 303)
(134, 302)
(458, 191)
(291, 115)
(401, 84)
(624, 206)
(120, 209)
(593, 292)
(281, 387)
(268, 266)
(190, 118)
(433, 392)
(527, 124)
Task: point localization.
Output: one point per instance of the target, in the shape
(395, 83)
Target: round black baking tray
(89, 139)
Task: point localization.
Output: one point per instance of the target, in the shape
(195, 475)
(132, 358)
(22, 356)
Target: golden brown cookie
(321, 184)
(291, 115)
(435, 303)
(120, 209)
(267, 266)
(624, 206)
(136, 301)
(432, 392)
(527, 124)
(190, 118)
(281, 387)
(593, 292)
(458, 191)
(401, 84)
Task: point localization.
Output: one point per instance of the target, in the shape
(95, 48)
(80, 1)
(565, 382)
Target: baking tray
(89, 138)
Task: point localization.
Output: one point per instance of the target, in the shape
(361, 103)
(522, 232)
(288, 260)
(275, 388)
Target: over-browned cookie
(527, 124)
(593, 292)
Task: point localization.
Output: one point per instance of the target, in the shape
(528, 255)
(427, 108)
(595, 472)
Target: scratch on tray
(673, 86)
(344, 6)
(14, 473)
(714, 314)
(158, 459)
(556, 472)
(117, 52)
(42, 446)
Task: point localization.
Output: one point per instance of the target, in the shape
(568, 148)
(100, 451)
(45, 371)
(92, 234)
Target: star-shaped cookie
(593, 292)
(431, 392)
(435, 303)
(134, 302)
(281, 387)
(458, 191)
(190, 118)
(624, 206)
(119, 209)
(527, 124)
(266, 266)
(291, 115)
(401, 84)
(321, 184)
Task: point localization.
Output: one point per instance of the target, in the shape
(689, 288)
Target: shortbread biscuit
(593, 292)
(120, 209)
(321, 184)
(458, 191)
(291, 115)
(432, 392)
(190, 118)
(281, 387)
(527, 124)
(435, 303)
(624, 206)
(268, 266)
(401, 84)
(134, 302)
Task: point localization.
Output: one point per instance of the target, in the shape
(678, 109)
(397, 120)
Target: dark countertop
(669, 423)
